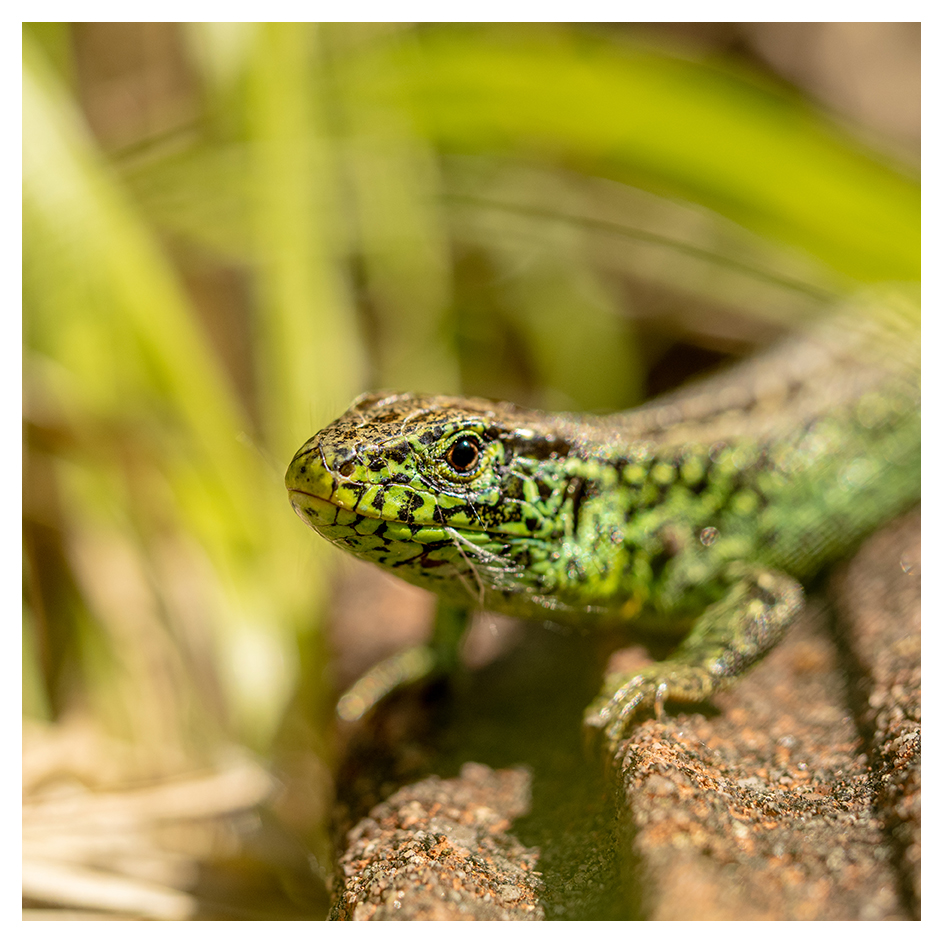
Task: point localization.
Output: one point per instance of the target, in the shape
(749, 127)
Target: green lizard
(704, 509)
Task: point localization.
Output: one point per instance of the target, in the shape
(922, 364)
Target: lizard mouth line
(320, 507)
(324, 506)
(304, 500)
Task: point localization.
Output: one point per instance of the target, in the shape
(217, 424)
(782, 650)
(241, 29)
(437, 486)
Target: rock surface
(440, 850)
(800, 799)
(878, 602)
(796, 796)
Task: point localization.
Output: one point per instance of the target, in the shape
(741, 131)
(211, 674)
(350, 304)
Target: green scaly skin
(704, 509)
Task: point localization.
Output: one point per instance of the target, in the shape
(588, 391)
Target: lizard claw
(614, 713)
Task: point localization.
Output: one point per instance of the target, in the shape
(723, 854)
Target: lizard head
(441, 490)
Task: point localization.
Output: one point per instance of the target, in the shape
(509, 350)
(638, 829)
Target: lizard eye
(464, 454)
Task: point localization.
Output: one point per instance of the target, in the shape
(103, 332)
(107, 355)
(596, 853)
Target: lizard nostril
(346, 469)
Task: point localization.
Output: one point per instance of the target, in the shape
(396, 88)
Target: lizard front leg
(441, 656)
(729, 636)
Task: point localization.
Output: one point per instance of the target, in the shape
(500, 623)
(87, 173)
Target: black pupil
(463, 455)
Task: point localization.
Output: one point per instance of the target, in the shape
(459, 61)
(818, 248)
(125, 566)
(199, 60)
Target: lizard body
(700, 511)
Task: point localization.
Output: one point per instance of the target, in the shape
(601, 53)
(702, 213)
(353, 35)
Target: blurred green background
(230, 230)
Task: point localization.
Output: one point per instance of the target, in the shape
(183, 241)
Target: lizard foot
(622, 700)
(730, 635)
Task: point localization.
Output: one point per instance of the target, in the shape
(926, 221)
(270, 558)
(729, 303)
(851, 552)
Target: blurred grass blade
(672, 126)
(104, 302)
(310, 362)
(402, 237)
(132, 366)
